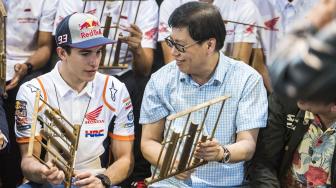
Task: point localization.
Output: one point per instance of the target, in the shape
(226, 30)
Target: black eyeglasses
(179, 47)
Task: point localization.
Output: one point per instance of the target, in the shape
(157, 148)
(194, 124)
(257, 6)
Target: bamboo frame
(171, 161)
(3, 18)
(64, 150)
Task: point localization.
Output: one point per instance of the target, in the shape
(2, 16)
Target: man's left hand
(20, 72)
(209, 151)
(87, 180)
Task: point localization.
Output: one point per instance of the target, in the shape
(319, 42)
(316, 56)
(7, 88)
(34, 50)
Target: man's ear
(211, 45)
(62, 54)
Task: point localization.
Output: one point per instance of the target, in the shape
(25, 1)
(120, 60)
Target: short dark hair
(203, 21)
(67, 49)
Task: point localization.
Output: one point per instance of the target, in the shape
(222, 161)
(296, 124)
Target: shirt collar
(284, 3)
(316, 120)
(63, 88)
(218, 76)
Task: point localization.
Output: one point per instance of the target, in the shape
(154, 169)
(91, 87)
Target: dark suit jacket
(3, 123)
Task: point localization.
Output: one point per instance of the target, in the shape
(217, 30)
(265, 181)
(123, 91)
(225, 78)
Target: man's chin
(182, 69)
(91, 75)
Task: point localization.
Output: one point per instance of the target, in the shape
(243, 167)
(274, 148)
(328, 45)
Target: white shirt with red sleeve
(146, 18)
(279, 16)
(243, 11)
(103, 100)
(24, 20)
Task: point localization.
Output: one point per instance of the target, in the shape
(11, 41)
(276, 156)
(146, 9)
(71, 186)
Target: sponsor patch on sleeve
(127, 103)
(21, 115)
(130, 116)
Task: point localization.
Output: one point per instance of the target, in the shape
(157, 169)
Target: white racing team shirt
(146, 20)
(103, 99)
(279, 16)
(242, 11)
(24, 20)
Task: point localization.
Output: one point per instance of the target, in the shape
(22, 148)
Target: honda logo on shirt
(91, 117)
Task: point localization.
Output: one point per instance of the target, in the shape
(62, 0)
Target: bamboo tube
(169, 154)
(33, 124)
(187, 147)
(70, 136)
(62, 150)
(106, 33)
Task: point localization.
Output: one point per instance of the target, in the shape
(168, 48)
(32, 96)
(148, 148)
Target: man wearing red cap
(99, 103)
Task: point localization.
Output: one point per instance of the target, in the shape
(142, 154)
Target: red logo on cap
(94, 23)
(88, 24)
(92, 26)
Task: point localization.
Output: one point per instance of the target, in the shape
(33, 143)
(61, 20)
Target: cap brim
(93, 43)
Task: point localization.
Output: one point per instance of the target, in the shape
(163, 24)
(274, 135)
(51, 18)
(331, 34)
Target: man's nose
(174, 51)
(95, 59)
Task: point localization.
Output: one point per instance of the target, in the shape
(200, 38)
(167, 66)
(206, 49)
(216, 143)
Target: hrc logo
(94, 133)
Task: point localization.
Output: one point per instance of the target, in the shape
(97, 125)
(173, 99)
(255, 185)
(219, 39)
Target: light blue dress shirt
(170, 91)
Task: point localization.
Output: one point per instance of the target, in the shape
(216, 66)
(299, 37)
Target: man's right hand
(20, 72)
(2, 139)
(185, 175)
(53, 175)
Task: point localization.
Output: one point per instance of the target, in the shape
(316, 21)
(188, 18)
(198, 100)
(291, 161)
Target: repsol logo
(94, 133)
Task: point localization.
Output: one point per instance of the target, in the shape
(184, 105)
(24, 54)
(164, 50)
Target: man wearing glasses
(243, 41)
(201, 72)
(240, 38)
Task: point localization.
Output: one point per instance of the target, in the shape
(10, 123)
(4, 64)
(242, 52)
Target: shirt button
(286, 148)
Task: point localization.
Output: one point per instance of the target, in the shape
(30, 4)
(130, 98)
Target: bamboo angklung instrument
(171, 161)
(3, 17)
(60, 136)
(116, 64)
(106, 32)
